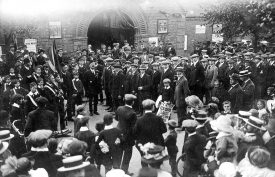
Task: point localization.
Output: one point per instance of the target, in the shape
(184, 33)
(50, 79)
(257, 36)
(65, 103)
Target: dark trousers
(181, 113)
(108, 96)
(197, 90)
(173, 164)
(101, 96)
(259, 91)
(93, 97)
(69, 106)
(76, 100)
(126, 158)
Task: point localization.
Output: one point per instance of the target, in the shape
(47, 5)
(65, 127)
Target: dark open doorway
(109, 27)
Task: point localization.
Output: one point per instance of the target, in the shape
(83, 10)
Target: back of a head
(259, 156)
(108, 119)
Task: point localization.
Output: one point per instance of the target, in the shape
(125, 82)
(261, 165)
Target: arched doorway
(111, 26)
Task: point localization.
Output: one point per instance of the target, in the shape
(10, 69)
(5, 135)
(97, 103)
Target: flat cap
(272, 55)
(155, 64)
(117, 65)
(166, 80)
(194, 55)
(212, 59)
(189, 123)
(39, 135)
(109, 59)
(204, 51)
(129, 97)
(166, 62)
(228, 53)
(41, 100)
(142, 67)
(180, 69)
(145, 62)
(175, 58)
(230, 61)
(147, 103)
(134, 65)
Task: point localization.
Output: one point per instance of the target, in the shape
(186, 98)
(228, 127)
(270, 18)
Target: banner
(217, 28)
(153, 39)
(31, 45)
(55, 30)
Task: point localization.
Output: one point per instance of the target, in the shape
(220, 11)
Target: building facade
(126, 20)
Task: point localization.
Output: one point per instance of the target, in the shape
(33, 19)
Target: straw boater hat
(5, 135)
(116, 173)
(255, 122)
(73, 163)
(270, 127)
(3, 146)
(244, 114)
(222, 123)
(244, 73)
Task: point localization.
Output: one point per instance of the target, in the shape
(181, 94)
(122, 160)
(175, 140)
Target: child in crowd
(226, 107)
(261, 108)
(167, 91)
(77, 92)
(171, 144)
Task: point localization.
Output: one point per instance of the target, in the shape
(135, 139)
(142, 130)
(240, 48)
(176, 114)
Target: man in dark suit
(91, 84)
(222, 70)
(156, 77)
(107, 77)
(41, 118)
(117, 86)
(197, 77)
(67, 89)
(126, 117)
(248, 88)
(235, 94)
(193, 148)
(181, 92)
(30, 98)
(143, 86)
(260, 78)
(26, 73)
(149, 128)
(10, 58)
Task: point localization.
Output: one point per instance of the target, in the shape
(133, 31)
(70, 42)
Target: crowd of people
(224, 99)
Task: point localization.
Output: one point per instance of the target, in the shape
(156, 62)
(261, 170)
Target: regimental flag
(53, 59)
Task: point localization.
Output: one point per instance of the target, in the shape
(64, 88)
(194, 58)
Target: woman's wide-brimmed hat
(5, 135)
(73, 163)
(255, 122)
(222, 124)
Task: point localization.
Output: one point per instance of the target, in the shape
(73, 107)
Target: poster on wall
(217, 28)
(217, 38)
(153, 39)
(31, 44)
(162, 26)
(200, 29)
(55, 30)
(0, 51)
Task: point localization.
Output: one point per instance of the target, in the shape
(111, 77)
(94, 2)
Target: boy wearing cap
(171, 144)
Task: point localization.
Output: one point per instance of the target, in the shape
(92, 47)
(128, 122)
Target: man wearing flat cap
(26, 73)
(211, 75)
(41, 118)
(126, 117)
(248, 88)
(155, 81)
(149, 128)
(181, 92)
(197, 77)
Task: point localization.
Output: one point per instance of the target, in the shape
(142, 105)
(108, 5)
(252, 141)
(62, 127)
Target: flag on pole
(53, 60)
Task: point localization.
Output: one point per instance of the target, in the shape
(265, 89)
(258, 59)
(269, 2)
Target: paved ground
(135, 161)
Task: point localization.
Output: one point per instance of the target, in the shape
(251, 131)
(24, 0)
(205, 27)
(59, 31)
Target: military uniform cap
(150, 55)
(185, 58)
(129, 97)
(189, 123)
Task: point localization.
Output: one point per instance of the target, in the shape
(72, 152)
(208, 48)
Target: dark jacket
(126, 118)
(117, 85)
(248, 88)
(149, 128)
(44, 159)
(145, 83)
(86, 136)
(40, 119)
(236, 98)
(155, 83)
(169, 74)
(181, 92)
(197, 75)
(171, 143)
(193, 148)
(91, 83)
